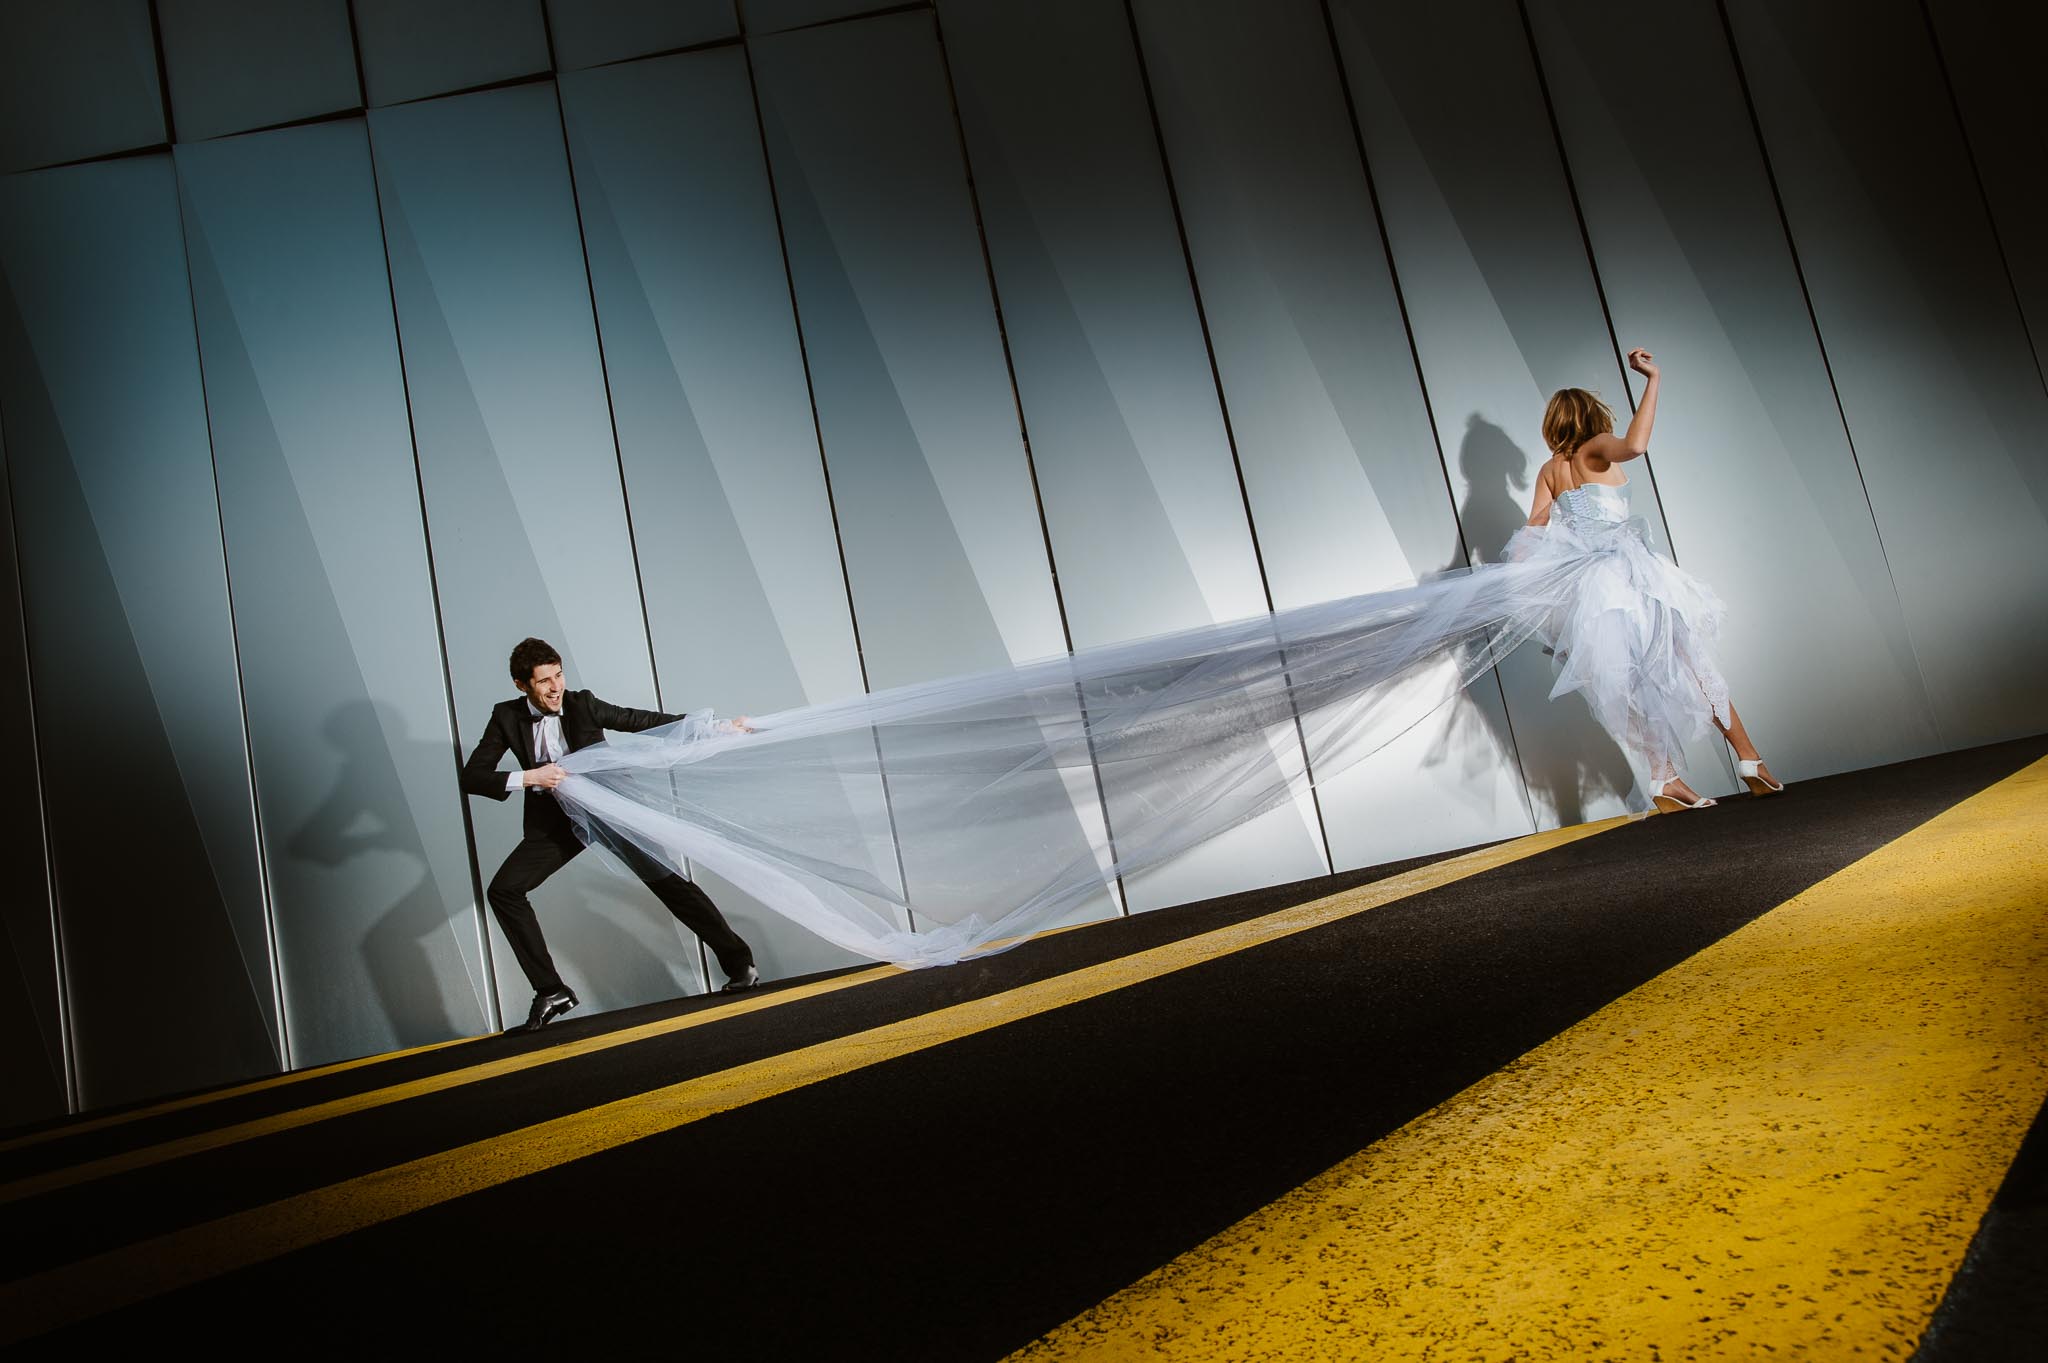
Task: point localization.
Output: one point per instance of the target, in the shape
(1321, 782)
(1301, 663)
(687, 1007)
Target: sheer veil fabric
(931, 822)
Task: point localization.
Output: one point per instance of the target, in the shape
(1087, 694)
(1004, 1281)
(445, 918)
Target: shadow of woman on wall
(1570, 759)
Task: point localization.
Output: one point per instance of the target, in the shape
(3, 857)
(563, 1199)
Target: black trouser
(539, 856)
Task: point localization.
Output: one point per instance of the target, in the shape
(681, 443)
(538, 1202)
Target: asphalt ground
(1996, 1307)
(958, 1201)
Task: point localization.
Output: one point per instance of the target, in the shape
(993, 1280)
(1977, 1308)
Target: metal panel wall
(139, 717)
(1943, 398)
(936, 507)
(1991, 55)
(1332, 428)
(593, 32)
(937, 515)
(1135, 467)
(770, 16)
(744, 591)
(77, 80)
(415, 48)
(525, 511)
(1761, 482)
(34, 1051)
(1504, 310)
(378, 935)
(1080, 394)
(232, 65)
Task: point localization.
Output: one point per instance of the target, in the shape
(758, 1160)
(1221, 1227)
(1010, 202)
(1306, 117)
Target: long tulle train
(930, 822)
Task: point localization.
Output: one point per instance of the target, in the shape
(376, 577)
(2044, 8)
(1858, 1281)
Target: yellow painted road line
(200, 1141)
(1778, 1148)
(340, 1066)
(217, 1095)
(47, 1300)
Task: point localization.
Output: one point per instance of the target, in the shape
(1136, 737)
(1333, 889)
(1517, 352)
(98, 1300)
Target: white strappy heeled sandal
(1671, 804)
(1758, 784)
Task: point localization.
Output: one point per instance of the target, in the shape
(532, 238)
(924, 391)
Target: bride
(1636, 635)
(930, 822)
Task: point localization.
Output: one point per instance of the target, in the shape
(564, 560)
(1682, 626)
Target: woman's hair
(1573, 417)
(529, 654)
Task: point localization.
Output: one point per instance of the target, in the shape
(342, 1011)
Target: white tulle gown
(930, 822)
(1635, 634)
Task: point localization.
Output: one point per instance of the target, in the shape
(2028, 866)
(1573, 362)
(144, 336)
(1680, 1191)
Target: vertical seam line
(493, 1014)
(988, 264)
(1421, 380)
(1983, 192)
(803, 352)
(66, 1050)
(1820, 344)
(603, 368)
(265, 890)
(1223, 412)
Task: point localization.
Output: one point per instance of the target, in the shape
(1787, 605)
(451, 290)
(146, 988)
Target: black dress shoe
(546, 1008)
(748, 978)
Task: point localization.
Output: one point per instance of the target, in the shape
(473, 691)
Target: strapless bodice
(1590, 505)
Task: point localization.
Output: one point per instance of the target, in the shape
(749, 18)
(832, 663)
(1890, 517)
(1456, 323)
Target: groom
(545, 723)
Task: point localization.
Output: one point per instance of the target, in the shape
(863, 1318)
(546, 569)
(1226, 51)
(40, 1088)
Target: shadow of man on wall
(366, 812)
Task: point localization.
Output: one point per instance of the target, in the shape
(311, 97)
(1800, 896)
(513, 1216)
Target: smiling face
(545, 687)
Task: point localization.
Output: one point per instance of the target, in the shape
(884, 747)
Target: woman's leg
(1738, 739)
(1737, 736)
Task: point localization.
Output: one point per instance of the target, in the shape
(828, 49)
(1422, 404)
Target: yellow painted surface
(45, 1301)
(199, 1141)
(1777, 1149)
(190, 1100)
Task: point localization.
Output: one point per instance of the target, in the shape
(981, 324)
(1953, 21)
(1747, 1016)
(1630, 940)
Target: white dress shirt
(548, 744)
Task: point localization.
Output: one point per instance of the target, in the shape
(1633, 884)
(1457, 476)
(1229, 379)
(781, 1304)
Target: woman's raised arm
(1636, 442)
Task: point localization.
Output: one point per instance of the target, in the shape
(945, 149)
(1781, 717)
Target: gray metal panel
(76, 80)
(1944, 400)
(33, 1060)
(1504, 310)
(237, 64)
(379, 939)
(745, 595)
(415, 48)
(1332, 429)
(1135, 468)
(524, 507)
(1761, 482)
(911, 382)
(937, 515)
(770, 16)
(138, 709)
(1992, 51)
(592, 32)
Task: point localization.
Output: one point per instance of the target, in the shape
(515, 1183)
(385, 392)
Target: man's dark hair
(528, 654)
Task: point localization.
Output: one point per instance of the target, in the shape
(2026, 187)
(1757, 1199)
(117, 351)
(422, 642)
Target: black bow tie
(547, 714)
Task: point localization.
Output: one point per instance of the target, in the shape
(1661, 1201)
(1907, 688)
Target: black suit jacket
(510, 729)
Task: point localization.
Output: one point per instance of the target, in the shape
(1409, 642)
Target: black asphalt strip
(956, 1203)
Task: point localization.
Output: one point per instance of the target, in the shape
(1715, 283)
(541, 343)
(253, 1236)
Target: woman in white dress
(1636, 637)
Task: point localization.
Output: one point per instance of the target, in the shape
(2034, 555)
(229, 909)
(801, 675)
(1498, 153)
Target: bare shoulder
(1603, 451)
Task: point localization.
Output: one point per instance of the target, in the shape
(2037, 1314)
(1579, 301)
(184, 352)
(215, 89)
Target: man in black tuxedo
(545, 723)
